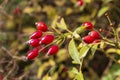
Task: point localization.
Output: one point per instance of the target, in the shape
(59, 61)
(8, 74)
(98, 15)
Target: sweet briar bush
(84, 45)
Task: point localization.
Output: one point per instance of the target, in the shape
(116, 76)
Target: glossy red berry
(1, 77)
(41, 26)
(96, 41)
(88, 25)
(47, 39)
(34, 42)
(53, 50)
(94, 34)
(88, 39)
(80, 2)
(17, 11)
(36, 34)
(32, 53)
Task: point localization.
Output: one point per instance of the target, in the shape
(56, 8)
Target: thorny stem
(7, 52)
(10, 72)
(12, 56)
(49, 45)
(105, 39)
(69, 31)
(114, 31)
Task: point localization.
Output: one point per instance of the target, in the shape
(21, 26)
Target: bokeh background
(17, 22)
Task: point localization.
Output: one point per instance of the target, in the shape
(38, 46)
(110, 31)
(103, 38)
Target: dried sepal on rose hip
(32, 53)
(53, 50)
(88, 25)
(36, 34)
(47, 39)
(96, 41)
(41, 26)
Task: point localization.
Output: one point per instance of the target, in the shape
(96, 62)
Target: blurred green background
(17, 22)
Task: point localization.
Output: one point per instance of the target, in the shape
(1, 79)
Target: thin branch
(10, 72)
(7, 52)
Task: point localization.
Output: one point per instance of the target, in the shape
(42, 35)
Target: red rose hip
(88, 25)
(36, 34)
(17, 11)
(1, 77)
(94, 34)
(88, 39)
(41, 26)
(32, 53)
(47, 39)
(53, 50)
(34, 42)
(80, 2)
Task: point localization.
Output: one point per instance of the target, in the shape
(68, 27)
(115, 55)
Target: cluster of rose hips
(38, 41)
(93, 36)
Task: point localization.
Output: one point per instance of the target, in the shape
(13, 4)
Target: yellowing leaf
(28, 10)
(59, 2)
(69, 11)
(29, 30)
(10, 24)
(51, 12)
(102, 11)
(113, 50)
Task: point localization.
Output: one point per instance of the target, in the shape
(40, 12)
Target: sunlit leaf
(59, 2)
(102, 11)
(102, 44)
(29, 30)
(69, 11)
(50, 10)
(80, 29)
(73, 51)
(28, 10)
(74, 70)
(62, 24)
(113, 50)
(79, 76)
(93, 49)
(83, 51)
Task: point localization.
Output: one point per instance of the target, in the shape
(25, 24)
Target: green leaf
(74, 70)
(73, 51)
(79, 76)
(102, 11)
(113, 73)
(62, 24)
(93, 49)
(83, 51)
(80, 29)
(52, 70)
(113, 50)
